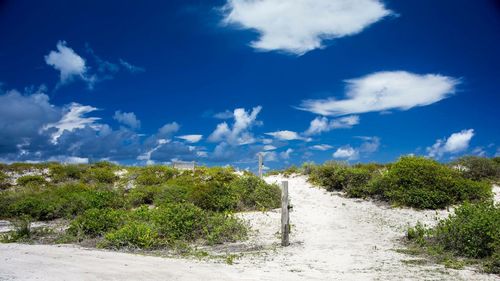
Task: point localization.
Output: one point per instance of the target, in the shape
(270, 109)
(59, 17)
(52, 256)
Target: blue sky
(219, 81)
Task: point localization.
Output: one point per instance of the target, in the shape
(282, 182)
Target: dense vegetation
(411, 181)
(133, 207)
(472, 235)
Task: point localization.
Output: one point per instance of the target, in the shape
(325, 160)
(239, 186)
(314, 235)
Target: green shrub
(103, 175)
(331, 175)
(134, 235)
(142, 195)
(63, 173)
(155, 175)
(96, 222)
(423, 183)
(215, 196)
(172, 194)
(32, 180)
(256, 193)
(473, 232)
(179, 221)
(56, 202)
(221, 228)
(4, 181)
(478, 168)
(22, 231)
(356, 184)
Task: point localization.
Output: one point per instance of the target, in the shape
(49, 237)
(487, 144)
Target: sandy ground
(333, 238)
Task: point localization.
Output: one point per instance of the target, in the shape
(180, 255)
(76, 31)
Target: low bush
(179, 221)
(96, 222)
(32, 181)
(63, 173)
(340, 176)
(155, 175)
(4, 181)
(472, 232)
(255, 193)
(134, 235)
(104, 175)
(56, 202)
(478, 168)
(221, 228)
(425, 184)
(330, 175)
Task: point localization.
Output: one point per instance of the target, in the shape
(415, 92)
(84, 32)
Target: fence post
(285, 217)
(260, 165)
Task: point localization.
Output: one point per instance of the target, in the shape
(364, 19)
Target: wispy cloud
(299, 26)
(382, 91)
(321, 147)
(191, 138)
(74, 118)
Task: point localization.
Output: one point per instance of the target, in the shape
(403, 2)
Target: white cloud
(127, 118)
(191, 138)
(67, 62)
(322, 124)
(383, 91)
(369, 146)
(286, 154)
(455, 143)
(299, 26)
(239, 134)
(346, 152)
(286, 135)
(224, 115)
(72, 119)
(168, 129)
(321, 147)
(268, 147)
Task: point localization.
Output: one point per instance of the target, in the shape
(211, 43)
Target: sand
(333, 238)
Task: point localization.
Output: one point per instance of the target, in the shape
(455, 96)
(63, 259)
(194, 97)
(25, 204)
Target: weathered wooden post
(285, 217)
(261, 163)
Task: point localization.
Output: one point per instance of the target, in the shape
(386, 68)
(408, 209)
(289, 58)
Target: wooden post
(285, 217)
(261, 163)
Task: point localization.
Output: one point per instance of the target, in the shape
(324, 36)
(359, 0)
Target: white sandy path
(334, 238)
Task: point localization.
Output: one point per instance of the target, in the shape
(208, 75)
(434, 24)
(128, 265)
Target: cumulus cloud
(191, 138)
(382, 91)
(67, 62)
(72, 65)
(239, 133)
(299, 26)
(367, 147)
(128, 119)
(286, 135)
(322, 124)
(168, 129)
(455, 143)
(346, 152)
